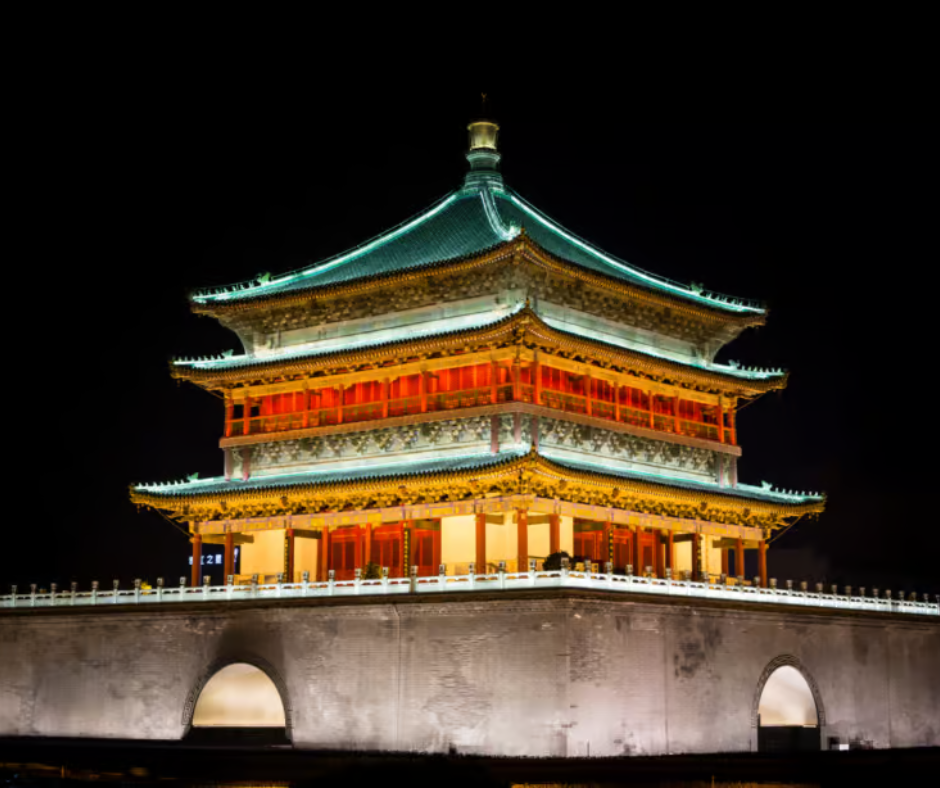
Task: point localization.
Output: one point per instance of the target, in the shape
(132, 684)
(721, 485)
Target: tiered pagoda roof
(482, 225)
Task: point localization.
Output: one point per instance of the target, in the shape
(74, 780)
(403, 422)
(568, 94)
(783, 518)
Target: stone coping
(469, 584)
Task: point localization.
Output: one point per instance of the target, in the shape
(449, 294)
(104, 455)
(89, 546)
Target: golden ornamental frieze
(530, 474)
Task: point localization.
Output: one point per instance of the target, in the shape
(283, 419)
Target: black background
(179, 185)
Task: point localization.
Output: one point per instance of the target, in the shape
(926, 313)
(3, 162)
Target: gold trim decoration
(530, 474)
(523, 248)
(524, 329)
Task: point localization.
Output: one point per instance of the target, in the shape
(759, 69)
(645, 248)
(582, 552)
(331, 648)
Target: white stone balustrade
(469, 583)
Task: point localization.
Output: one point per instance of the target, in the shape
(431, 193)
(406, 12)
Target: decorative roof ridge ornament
(483, 155)
(504, 231)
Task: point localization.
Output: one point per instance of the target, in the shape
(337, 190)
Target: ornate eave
(522, 250)
(524, 329)
(527, 474)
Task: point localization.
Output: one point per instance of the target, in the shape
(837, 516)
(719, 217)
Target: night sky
(147, 199)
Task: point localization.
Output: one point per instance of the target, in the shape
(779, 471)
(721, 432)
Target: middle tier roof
(516, 324)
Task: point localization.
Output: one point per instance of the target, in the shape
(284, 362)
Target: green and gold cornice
(472, 478)
(522, 251)
(523, 329)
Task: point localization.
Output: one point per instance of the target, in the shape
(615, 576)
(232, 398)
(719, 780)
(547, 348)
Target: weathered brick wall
(570, 674)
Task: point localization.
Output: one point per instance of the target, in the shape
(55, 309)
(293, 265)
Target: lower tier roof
(473, 476)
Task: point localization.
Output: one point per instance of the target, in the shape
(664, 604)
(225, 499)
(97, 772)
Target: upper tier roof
(483, 214)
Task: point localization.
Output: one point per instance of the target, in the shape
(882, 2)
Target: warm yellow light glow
(787, 699)
(305, 558)
(264, 556)
(458, 539)
(483, 135)
(241, 696)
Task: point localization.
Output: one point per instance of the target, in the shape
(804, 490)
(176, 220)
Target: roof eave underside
(483, 469)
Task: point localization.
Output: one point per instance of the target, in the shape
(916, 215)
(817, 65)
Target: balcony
(437, 402)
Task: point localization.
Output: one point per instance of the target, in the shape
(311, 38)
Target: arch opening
(788, 717)
(239, 702)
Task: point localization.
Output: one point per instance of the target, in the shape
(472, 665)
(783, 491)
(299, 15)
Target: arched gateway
(788, 711)
(238, 699)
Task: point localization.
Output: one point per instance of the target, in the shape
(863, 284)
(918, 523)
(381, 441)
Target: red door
(590, 545)
(346, 552)
(387, 544)
(426, 551)
(623, 550)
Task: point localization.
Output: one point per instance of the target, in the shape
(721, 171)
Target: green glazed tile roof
(446, 326)
(750, 492)
(331, 474)
(466, 222)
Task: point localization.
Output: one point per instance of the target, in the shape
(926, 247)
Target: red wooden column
(423, 391)
(732, 427)
(536, 382)
(367, 545)
(658, 558)
(608, 545)
(724, 561)
(763, 563)
(480, 555)
(554, 533)
(385, 390)
(637, 552)
(696, 557)
(617, 402)
(246, 412)
(289, 557)
(522, 541)
(229, 556)
(323, 559)
(494, 382)
(340, 401)
(516, 381)
(721, 421)
(670, 552)
(587, 395)
(652, 411)
(197, 559)
(229, 414)
(675, 408)
(739, 558)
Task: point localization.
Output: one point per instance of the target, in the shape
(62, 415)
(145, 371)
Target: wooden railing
(436, 402)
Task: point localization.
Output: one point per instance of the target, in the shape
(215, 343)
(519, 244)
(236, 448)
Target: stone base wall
(567, 674)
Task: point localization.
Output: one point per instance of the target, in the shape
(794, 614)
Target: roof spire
(483, 155)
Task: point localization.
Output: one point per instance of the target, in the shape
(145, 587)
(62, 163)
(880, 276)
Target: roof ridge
(225, 292)
(692, 292)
